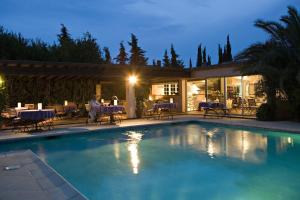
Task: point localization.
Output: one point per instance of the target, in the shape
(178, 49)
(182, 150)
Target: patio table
(213, 106)
(110, 110)
(36, 116)
(164, 109)
(170, 106)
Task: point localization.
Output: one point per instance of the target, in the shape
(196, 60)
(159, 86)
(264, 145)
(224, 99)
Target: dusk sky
(156, 23)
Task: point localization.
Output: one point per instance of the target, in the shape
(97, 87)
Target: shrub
(284, 110)
(266, 112)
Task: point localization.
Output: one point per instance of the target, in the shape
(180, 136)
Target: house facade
(48, 82)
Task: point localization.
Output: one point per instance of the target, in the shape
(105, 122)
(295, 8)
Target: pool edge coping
(101, 129)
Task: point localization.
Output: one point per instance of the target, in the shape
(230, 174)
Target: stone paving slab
(34, 179)
(287, 126)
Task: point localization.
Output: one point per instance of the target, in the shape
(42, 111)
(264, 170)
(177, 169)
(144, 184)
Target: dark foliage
(278, 60)
(166, 59)
(15, 47)
(122, 57)
(107, 57)
(137, 56)
(199, 56)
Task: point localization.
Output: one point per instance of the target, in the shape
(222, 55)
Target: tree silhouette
(228, 47)
(153, 62)
(87, 50)
(208, 60)
(107, 57)
(166, 60)
(225, 57)
(190, 64)
(137, 56)
(175, 62)
(66, 47)
(204, 56)
(199, 56)
(220, 54)
(122, 57)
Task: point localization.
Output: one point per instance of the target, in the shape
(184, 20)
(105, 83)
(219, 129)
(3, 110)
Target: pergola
(45, 74)
(100, 72)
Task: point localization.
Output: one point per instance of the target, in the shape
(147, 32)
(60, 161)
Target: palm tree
(278, 59)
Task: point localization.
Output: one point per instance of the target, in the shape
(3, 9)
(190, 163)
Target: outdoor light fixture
(1, 81)
(66, 103)
(115, 102)
(40, 106)
(19, 105)
(132, 79)
(102, 100)
(171, 100)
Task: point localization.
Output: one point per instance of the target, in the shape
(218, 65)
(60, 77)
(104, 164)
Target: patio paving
(81, 127)
(31, 178)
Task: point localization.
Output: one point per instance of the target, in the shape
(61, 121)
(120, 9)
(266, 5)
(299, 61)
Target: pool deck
(287, 126)
(31, 178)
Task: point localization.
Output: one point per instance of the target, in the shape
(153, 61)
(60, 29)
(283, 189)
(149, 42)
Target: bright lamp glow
(132, 79)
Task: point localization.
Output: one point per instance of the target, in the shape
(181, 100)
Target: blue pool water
(178, 161)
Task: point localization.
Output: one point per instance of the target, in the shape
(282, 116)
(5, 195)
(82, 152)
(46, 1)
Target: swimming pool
(179, 161)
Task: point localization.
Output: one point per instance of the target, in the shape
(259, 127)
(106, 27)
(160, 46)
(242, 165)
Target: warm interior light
(132, 79)
(40, 106)
(66, 103)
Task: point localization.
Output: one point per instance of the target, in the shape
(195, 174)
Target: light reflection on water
(239, 144)
(133, 141)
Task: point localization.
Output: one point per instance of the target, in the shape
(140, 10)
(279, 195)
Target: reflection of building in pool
(283, 143)
(236, 144)
(133, 139)
(117, 150)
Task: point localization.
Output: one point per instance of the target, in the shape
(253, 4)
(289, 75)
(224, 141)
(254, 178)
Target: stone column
(98, 91)
(182, 104)
(131, 101)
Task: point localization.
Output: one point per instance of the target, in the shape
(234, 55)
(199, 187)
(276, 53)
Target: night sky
(156, 23)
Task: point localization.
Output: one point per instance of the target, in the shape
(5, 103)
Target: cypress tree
(175, 62)
(174, 57)
(204, 56)
(190, 64)
(137, 56)
(153, 62)
(122, 57)
(107, 57)
(225, 58)
(166, 60)
(158, 63)
(208, 60)
(228, 47)
(199, 56)
(220, 54)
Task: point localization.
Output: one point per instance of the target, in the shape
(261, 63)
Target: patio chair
(149, 111)
(252, 106)
(59, 111)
